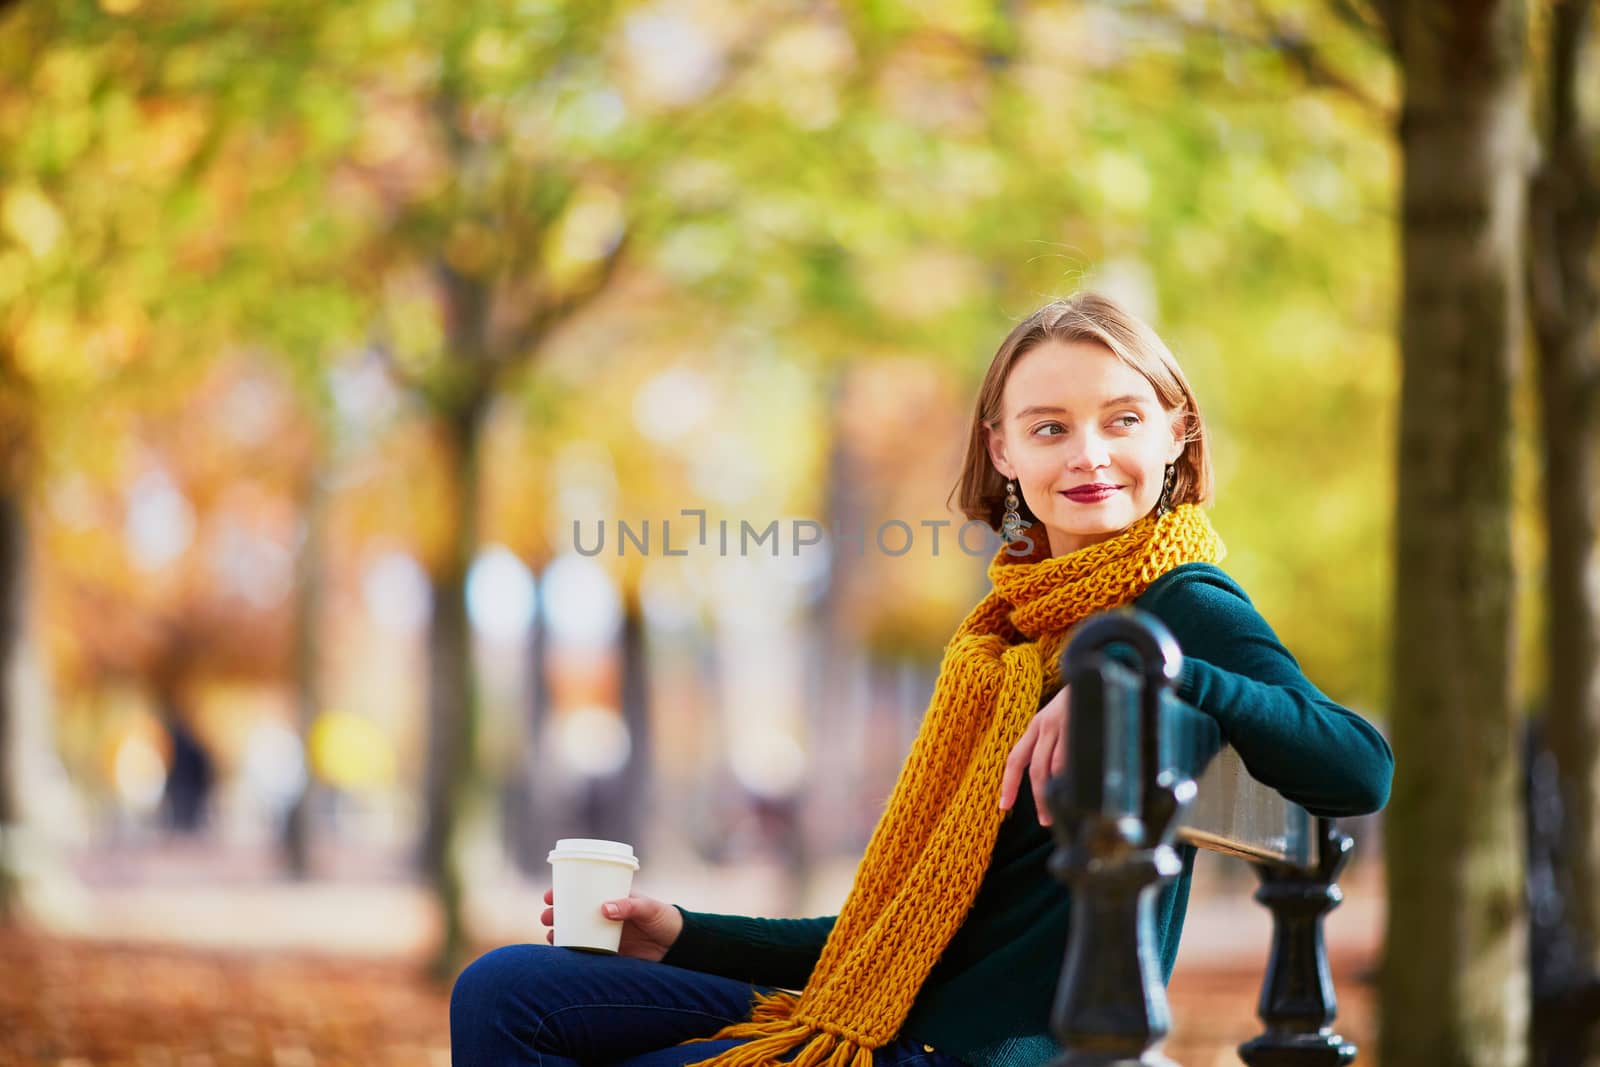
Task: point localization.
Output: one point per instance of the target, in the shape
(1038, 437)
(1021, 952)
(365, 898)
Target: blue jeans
(558, 1007)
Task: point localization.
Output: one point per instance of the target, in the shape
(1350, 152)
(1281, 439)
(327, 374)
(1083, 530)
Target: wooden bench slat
(1236, 814)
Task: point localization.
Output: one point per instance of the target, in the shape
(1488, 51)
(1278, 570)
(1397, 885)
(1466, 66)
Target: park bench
(1145, 771)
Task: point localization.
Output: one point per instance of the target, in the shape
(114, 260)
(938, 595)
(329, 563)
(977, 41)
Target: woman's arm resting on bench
(1289, 734)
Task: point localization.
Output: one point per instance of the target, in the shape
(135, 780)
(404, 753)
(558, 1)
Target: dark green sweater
(988, 999)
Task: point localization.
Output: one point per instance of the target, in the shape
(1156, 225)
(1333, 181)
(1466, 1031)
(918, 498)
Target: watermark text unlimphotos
(893, 537)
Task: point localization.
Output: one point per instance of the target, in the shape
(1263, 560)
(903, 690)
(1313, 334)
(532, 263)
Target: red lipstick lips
(1090, 494)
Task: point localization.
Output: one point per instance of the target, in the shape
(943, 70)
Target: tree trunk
(13, 579)
(525, 799)
(452, 698)
(631, 786)
(1564, 220)
(837, 710)
(1454, 989)
(310, 587)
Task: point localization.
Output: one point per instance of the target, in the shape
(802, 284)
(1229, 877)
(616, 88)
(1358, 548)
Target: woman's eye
(1040, 429)
(1127, 422)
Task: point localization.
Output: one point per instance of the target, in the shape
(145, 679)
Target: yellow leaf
(30, 217)
(587, 233)
(350, 751)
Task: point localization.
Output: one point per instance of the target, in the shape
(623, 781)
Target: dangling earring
(1012, 523)
(1164, 505)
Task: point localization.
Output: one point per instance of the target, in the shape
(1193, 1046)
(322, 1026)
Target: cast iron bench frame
(1118, 808)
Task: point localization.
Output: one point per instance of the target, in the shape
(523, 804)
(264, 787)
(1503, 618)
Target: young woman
(1088, 453)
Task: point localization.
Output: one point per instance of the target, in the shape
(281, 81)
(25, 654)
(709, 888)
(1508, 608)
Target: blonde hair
(980, 492)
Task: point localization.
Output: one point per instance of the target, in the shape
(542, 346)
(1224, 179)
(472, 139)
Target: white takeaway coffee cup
(585, 873)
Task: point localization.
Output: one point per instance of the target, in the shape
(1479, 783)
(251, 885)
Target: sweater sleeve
(771, 952)
(1289, 734)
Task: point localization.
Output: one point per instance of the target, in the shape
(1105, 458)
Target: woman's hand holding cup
(649, 926)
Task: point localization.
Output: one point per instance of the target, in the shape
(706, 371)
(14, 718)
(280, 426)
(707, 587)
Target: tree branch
(410, 383)
(1368, 23)
(1294, 46)
(553, 314)
(1299, 50)
(1389, 14)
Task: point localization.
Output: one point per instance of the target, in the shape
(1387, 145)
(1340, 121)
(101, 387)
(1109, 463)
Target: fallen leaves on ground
(1214, 1011)
(68, 1003)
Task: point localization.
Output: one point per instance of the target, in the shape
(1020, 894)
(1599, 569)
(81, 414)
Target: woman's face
(1086, 440)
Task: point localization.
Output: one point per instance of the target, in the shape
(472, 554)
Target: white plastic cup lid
(593, 848)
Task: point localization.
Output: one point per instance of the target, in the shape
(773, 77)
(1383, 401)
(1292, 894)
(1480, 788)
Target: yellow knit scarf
(928, 854)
